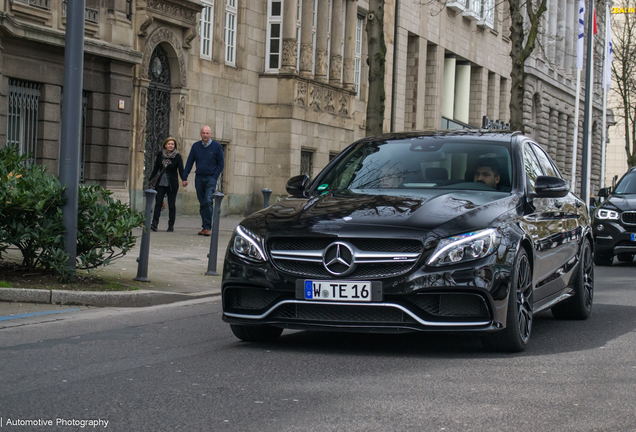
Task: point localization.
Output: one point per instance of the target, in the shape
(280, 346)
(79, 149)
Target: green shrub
(31, 218)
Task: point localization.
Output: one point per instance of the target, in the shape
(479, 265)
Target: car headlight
(465, 247)
(248, 245)
(607, 214)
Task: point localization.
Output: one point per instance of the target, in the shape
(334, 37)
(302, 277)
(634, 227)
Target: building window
(358, 55)
(230, 32)
(22, 116)
(332, 155)
(274, 40)
(206, 28)
(306, 163)
(487, 18)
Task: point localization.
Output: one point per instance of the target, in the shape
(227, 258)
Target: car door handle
(558, 204)
(579, 204)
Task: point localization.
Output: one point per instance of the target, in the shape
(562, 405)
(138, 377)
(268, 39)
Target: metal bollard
(142, 267)
(214, 242)
(266, 194)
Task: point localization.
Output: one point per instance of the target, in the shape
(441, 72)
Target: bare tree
(624, 72)
(523, 41)
(377, 66)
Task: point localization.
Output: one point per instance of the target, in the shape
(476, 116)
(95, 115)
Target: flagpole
(575, 144)
(585, 168)
(605, 89)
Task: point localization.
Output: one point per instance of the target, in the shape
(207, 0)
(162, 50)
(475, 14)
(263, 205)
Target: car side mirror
(550, 187)
(604, 192)
(296, 186)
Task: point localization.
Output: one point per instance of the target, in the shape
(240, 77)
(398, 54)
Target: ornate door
(157, 108)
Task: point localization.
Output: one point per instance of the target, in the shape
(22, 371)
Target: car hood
(621, 202)
(393, 213)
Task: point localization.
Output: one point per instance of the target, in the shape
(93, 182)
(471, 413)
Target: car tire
(516, 335)
(603, 260)
(625, 257)
(262, 333)
(579, 306)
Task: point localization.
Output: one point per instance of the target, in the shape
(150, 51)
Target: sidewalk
(176, 268)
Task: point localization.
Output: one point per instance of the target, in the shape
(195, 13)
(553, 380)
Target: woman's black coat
(176, 164)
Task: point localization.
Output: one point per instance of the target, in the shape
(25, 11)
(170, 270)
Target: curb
(140, 298)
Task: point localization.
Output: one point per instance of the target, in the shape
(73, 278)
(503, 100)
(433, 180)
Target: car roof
(486, 134)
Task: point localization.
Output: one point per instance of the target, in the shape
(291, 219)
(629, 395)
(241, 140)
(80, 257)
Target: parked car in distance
(469, 231)
(614, 222)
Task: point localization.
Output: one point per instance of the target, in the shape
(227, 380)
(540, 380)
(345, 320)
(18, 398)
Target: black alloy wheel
(256, 333)
(579, 306)
(603, 260)
(519, 318)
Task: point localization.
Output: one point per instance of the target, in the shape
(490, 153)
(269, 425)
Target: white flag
(579, 44)
(609, 54)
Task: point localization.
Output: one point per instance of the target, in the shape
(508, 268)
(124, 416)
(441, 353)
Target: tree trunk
(377, 66)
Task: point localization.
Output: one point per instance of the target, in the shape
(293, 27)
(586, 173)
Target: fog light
(600, 227)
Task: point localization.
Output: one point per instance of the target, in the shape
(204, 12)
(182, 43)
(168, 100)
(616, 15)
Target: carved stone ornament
(315, 98)
(343, 105)
(336, 67)
(173, 10)
(290, 51)
(143, 29)
(164, 34)
(321, 63)
(330, 102)
(181, 109)
(306, 57)
(141, 132)
(301, 94)
(189, 35)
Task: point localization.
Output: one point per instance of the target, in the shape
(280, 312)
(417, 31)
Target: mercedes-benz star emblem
(338, 259)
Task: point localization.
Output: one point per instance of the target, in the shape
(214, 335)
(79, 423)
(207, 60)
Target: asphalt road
(177, 367)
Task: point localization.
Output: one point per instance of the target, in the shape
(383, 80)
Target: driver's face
(486, 176)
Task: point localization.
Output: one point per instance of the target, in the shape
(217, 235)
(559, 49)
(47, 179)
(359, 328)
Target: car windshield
(627, 185)
(421, 164)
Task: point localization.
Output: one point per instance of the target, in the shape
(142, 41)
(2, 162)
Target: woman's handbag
(152, 184)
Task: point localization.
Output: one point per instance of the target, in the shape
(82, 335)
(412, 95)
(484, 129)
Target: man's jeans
(205, 186)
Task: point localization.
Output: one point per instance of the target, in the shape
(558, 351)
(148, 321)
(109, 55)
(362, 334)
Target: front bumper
(468, 298)
(612, 238)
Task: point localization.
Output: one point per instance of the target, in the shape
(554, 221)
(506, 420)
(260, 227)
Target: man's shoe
(170, 229)
(206, 232)
(153, 227)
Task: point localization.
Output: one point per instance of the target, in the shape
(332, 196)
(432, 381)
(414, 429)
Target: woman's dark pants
(172, 209)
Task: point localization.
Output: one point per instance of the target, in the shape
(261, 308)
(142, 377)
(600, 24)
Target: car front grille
(452, 305)
(629, 218)
(303, 257)
(342, 314)
(238, 298)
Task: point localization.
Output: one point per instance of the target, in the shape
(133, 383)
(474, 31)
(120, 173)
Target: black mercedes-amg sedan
(456, 231)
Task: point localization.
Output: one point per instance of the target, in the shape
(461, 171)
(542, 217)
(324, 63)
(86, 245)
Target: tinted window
(627, 185)
(418, 164)
(531, 165)
(546, 163)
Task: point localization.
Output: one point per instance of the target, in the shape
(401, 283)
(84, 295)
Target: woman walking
(169, 162)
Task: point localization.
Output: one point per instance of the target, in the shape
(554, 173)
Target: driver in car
(487, 172)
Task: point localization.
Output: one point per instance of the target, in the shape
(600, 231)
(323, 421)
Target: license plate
(338, 291)
(633, 237)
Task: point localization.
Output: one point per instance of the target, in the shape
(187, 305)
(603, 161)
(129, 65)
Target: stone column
(322, 50)
(570, 16)
(306, 39)
(290, 47)
(420, 96)
(335, 66)
(493, 96)
(434, 84)
(552, 30)
(478, 95)
(448, 88)
(504, 99)
(561, 35)
(562, 143)
(350, 43)
(553, 137)
(462, 92)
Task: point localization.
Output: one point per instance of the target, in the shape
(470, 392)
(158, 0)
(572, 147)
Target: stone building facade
(282, 84)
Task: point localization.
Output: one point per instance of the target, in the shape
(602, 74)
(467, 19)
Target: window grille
(42, 4)
(205, 29)
(230, 32)
(306, 163)
(90, 14)
(358, 55)
(274, 37)
(22, 117)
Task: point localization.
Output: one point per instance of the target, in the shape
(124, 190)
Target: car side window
(531, 166)
(546, 163)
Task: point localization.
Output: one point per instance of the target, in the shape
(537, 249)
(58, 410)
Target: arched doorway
(157, 108)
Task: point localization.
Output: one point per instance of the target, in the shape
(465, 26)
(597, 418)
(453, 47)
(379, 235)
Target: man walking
(208, 155)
